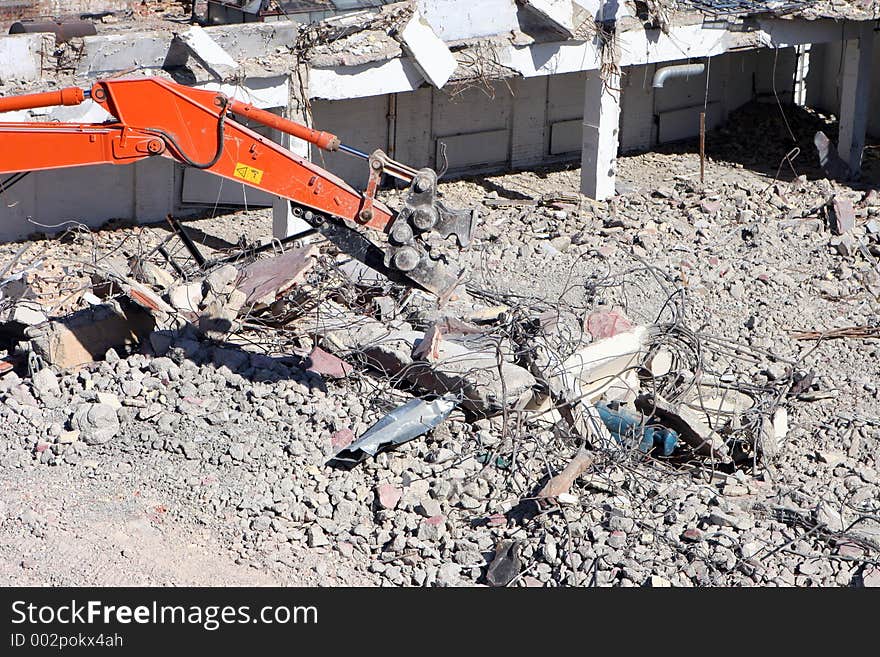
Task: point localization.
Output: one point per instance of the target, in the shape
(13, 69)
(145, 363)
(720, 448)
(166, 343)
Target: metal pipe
(63, 31)
(353, 151)
(661, 75)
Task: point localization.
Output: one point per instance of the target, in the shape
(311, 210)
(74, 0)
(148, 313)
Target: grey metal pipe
(661, 75)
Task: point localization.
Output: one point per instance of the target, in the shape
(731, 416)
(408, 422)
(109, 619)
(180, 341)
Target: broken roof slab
(637, 46)
(454, 20)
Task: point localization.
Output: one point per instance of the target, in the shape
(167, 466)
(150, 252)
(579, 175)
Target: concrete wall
(475, 126)
(823, 89)
(45, 200)
(651, 116)
(527, 122)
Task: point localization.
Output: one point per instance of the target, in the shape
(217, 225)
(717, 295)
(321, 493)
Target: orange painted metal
(156, 117)
(67, 96)
(323, 140)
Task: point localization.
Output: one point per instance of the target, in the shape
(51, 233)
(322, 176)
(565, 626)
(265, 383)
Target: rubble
(86, 335)
(697, 330)
(506, 564)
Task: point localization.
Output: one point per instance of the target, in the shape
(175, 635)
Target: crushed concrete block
(486, 388)
(843, 244)
(97, 423)
(559, 13)
(392, 353)
(435, 61)
(46, 387)
(607, 323)
(187, 297)
(110, 400)
(217, 320)
(222, 280)
(343, 331)
(151, 274)
(86, 335)
(28, 313)
(388, 496)
(209, 53)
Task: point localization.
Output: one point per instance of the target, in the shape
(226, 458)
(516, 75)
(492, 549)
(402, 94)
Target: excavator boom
(156, 117)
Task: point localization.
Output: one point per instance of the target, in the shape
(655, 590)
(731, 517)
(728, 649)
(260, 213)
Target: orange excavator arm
(156, 117)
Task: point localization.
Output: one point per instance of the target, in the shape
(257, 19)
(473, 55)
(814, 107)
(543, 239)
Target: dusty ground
(239, 495)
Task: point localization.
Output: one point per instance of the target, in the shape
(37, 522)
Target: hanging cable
(221, 124)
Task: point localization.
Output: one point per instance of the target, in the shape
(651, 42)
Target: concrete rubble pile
(507, 404)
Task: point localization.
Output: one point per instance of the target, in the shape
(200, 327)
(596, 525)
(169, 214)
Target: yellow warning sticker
(249, 174)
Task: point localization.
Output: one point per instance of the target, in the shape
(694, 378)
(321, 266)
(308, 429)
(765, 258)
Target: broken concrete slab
(486, 384)
(86, 335)
(209, 53)
(27, 313)
(433, 58)
(453, 20)
(603, 10)
(599, 365)
(265, 280)
(20, 58)
(558, 13)
(476, 375)
(341, 330)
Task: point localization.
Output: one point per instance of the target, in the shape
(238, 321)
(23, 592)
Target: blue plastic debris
(627, 428)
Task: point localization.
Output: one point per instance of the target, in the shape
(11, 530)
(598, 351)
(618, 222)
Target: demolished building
(464, 88)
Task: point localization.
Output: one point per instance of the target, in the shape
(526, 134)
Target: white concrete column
(601, 135)
(855, 92)
(284, 224)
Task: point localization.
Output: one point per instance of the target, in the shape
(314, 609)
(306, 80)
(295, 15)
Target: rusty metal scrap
(857, 332)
